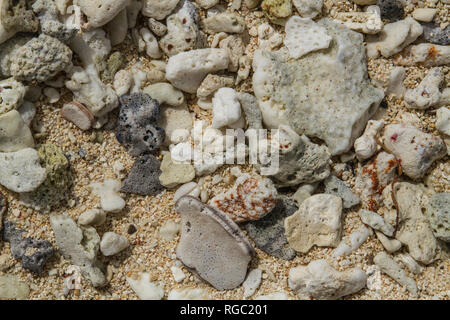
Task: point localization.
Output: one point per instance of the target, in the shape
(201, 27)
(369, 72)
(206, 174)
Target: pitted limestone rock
(300, 160)
(47, 13)
(308, 8)
(40, 59)
(427, 93)
(100, 12)
(374, 177)
(8, 50)
(297, 92)
(79, 245)
(320, 281)
(277, 11)
(317, 222)
(183, 33)
(438, 214)
(414, 231)
(16, 17)
(303, 36)
(89, 90)
(12, 94)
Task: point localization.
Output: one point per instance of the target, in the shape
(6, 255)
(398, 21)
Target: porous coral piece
(50, 24)
(40, 59)
(16, 17)
(320, 281)
(298, 92)
(89, 90)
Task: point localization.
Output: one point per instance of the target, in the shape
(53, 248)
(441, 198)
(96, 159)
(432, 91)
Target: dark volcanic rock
(144, 177)
(268, 232)
(434, 34)
(391, 10)
(34, 253)
(136, 129)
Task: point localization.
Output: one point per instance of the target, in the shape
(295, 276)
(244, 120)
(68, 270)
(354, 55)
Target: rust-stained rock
(251, 198)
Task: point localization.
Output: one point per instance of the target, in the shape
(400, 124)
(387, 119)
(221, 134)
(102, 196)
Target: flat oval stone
(212, 245)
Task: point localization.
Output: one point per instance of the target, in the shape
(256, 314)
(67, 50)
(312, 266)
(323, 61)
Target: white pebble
(122, 82)
(252, 282)
(169, 230)
(226, 108)
(113, 243)
(190, 188)
(178, 274)
(151, 44)
(108, 191)
(144, 288)
(366, 145)
(443, 120)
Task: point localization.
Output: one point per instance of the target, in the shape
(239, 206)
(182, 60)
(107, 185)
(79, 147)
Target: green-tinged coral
(277, 11)
(18, 19)
(108, 68)
(56, 187)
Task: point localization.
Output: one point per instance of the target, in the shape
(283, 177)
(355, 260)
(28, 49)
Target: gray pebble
(40, 59)
(336, 186)
(251, 109)
(268, 233)
(144, 177)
